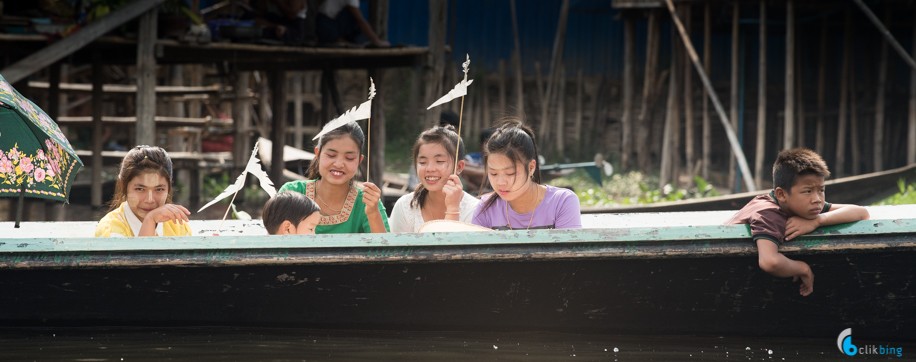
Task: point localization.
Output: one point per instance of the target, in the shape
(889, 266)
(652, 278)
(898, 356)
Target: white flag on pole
(460, 90)
(254, 168)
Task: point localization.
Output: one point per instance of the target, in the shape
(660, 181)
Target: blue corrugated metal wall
(483, 29)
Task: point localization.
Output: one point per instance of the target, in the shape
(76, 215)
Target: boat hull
(867, 291)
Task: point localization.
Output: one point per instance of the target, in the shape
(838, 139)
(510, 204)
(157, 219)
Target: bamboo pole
(664, 177)
(554, 76)
(577, 127)
(855, 140)
(688, 101)
(821, 89)
(626, 119)
(886, 33)
(145, 131)
(485, 102)
(539, 82)
(734, 102)
(877, 158)
(707, 125)
(414, 111)
(788, 139)
(911, 138)
(761, 97)
(98, 79)
(298, 109)
(176, 78)
(277, 83)
(479, 101)
(730, 133)
(241, 122)
(652, 44)
(560, 123)
(676, 109)
(502, 86)
(517, 63)
(196, 75)
(264, 112)
(376, 129)
(800, 119)
(844, 98)
(375, 167)
(436, 57)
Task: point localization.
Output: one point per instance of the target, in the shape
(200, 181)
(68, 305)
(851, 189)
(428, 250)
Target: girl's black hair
(138, 160)
(286, 206)
(449, 139)
(350, 129)
(515, 141)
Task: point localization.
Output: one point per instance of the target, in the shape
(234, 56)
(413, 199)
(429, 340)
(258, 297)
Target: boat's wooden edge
(623, 243)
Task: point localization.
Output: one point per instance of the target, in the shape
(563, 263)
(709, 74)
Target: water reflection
(210, 343)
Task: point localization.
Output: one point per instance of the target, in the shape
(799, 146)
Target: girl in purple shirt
(519, 200)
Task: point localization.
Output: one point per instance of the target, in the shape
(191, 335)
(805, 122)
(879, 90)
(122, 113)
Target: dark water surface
(226, 343)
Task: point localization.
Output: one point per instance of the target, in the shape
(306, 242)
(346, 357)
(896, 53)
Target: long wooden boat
(860, 190)
(670, 273)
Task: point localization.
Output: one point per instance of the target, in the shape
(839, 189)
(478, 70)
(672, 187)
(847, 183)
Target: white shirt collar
(134, 222)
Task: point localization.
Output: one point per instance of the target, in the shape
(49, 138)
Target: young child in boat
(345, 208)
(519, 200)
(290, 213)
(142, 200)
(440, 194)
(795, 207)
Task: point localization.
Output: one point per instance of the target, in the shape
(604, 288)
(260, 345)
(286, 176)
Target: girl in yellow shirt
(142, 201)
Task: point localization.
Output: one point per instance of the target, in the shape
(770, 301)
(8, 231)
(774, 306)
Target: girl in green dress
(345, 208)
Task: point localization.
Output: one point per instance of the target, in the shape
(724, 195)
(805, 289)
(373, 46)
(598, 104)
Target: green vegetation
(629, 189)
(251, 198)
(906, 194)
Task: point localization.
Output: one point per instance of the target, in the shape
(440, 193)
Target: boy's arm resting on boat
(840, 213)
(837, 214)
(775, 263)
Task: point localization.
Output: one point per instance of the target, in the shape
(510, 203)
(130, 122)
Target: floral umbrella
(36, 160)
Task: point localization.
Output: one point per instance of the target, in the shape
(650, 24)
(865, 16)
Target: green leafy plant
(251, 198)
(906, 194)
(629, 189)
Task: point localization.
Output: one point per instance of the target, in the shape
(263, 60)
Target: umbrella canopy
(36, 160)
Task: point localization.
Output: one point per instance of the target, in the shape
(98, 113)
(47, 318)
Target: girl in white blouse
(440, 195)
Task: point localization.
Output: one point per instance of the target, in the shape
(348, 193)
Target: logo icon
(844, 343)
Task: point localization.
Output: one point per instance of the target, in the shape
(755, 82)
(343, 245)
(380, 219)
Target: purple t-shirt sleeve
(569, 215)
(481, 217)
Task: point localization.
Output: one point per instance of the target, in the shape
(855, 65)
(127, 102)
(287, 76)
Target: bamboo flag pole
(732, 138)
(464, 66)
(460, 90)
(253, 167)
(369, 130)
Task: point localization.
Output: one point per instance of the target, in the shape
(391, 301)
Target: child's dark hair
(515, 141)
(138, 160)
(350, 129)
(797, 162)
(286, 206)
(449, 139)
